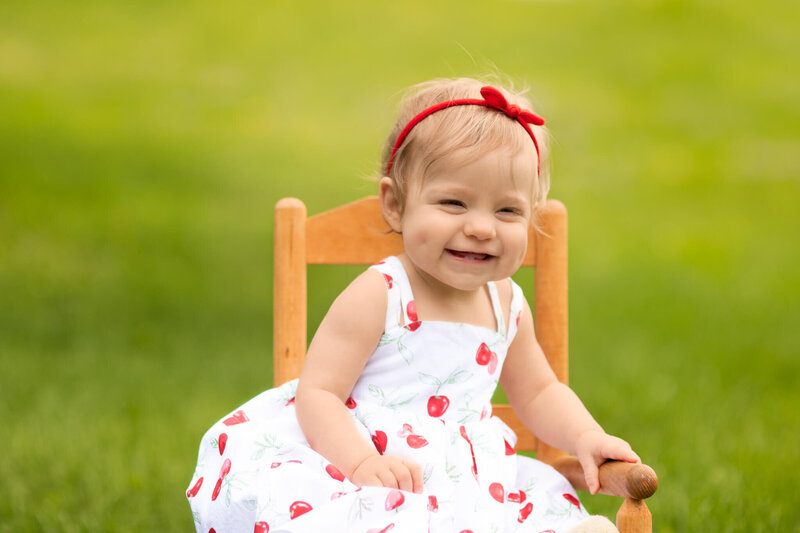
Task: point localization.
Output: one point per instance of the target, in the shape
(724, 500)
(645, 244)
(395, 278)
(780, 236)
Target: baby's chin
(468, 283)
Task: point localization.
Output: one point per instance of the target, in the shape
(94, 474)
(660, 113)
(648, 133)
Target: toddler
(389, 427)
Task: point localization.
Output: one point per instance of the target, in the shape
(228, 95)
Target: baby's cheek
(518, 242)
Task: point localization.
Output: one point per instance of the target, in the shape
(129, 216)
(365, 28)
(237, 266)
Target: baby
(389, 427)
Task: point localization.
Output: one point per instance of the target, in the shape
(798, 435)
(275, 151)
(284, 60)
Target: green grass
(143, 145)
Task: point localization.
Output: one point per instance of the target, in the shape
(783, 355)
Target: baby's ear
(390, 204)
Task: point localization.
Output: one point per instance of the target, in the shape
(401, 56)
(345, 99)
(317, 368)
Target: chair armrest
(617, 478)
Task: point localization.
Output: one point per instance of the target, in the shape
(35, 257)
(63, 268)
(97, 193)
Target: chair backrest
(357, 234)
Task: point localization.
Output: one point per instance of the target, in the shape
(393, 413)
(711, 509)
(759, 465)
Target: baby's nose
(480, 226)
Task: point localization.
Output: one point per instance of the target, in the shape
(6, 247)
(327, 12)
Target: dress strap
(398, 293)
(497, 308)
(515, 310)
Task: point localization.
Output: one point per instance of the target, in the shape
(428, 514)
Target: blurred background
(144, 144)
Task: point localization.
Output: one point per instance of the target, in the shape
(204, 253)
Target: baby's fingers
(590, 473)
(628, 456)
(416, 475)
(403, 476)
(387, 478)
(620, 450)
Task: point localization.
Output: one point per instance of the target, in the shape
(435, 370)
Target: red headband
(491, 98)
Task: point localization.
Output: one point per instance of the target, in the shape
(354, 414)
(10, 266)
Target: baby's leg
(595, 524)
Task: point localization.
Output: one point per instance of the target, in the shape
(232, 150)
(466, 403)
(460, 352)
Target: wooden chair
(357, 234)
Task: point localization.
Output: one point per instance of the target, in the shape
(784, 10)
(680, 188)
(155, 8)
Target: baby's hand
(389, 471)
(594, 447)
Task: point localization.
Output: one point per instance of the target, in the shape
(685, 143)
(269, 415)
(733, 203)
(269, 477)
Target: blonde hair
(471, 128)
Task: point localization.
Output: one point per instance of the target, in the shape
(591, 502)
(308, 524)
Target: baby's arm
(336, 357)
(552, 410)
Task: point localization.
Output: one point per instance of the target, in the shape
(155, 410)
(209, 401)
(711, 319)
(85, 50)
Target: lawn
(144, 144)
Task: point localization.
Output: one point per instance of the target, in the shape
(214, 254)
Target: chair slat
(353, 234)
(289, 300)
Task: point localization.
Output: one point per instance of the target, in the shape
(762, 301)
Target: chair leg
(634, 517)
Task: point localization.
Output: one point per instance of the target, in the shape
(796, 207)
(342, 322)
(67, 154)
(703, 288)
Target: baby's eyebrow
(514, 197)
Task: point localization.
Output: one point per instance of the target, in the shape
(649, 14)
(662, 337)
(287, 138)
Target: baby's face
(467, 222)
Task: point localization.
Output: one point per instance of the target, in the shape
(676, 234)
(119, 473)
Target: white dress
(425, 394)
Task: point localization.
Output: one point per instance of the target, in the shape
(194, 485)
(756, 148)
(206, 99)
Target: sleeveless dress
(425, 394)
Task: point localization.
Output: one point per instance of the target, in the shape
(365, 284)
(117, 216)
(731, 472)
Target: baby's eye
(511, 210)
(451, 202)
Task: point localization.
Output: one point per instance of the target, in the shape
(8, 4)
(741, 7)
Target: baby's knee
(595, 524)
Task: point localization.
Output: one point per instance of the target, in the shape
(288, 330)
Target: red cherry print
(433, 505)
(411, 310)
(275, 465)
(483, 355)
(407, 430)
(226, 467)
(416, 441)
(298, 508)
(212, 530)
(261, 527)
(525, 512)
(337, 495)
(465, 531)
(379, 263)
(350, 403)
(334, 472)
(290, 401)
(379, 439)
(238, 417)
(516, 497)
(492, 364)
(437, 405)
(389, 280)
(497, 492)
(384, 530)
(486, 356)
(394, 500)
(463, 431)
(222, 441)
(509, 448)
(572, 499)
(217, 488)
(191, 493)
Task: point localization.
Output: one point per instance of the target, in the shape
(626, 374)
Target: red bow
(491, 98)
(496, 100)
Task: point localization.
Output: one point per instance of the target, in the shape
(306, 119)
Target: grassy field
(143, 145)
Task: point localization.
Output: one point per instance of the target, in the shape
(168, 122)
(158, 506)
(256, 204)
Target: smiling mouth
(469, 256)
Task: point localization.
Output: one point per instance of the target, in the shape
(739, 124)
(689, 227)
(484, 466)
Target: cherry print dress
(425, 394)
